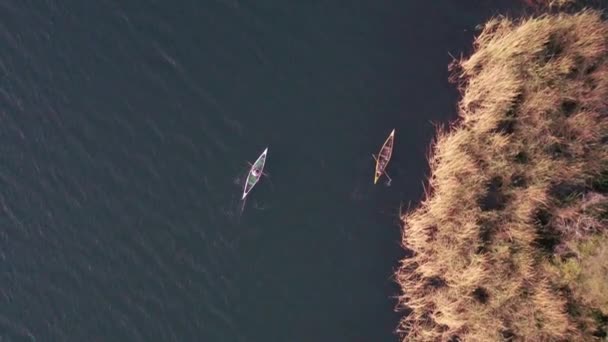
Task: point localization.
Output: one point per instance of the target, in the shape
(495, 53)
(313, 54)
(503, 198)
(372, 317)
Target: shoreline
(511, 239)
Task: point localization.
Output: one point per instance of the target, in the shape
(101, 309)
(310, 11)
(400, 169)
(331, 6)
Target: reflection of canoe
(384, 156)
(255, 173)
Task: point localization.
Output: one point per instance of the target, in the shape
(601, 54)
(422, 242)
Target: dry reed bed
(517, 192)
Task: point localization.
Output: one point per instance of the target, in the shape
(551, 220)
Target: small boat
(255, 173)
(384, 157)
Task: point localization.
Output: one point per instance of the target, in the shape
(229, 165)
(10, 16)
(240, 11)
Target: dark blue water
(125, 131)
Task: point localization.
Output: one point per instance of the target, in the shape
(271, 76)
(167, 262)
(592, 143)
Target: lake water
(125, 131)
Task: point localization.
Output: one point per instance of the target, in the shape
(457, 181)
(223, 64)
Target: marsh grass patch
(506, 244)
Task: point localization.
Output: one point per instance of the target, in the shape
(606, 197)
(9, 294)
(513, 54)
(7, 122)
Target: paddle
(263, 173)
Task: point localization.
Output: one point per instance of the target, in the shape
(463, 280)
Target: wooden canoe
(384, 156)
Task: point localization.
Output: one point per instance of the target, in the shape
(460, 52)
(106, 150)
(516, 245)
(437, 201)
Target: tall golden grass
(516, 191)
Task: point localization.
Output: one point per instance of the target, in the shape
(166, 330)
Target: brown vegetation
(510, 243)
(550, 4)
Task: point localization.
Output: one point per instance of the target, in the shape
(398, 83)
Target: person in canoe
(255, 173)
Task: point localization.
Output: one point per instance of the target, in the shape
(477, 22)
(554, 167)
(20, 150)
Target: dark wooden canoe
(384, 156)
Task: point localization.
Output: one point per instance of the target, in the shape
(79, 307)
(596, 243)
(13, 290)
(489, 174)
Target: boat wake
(237, 207)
